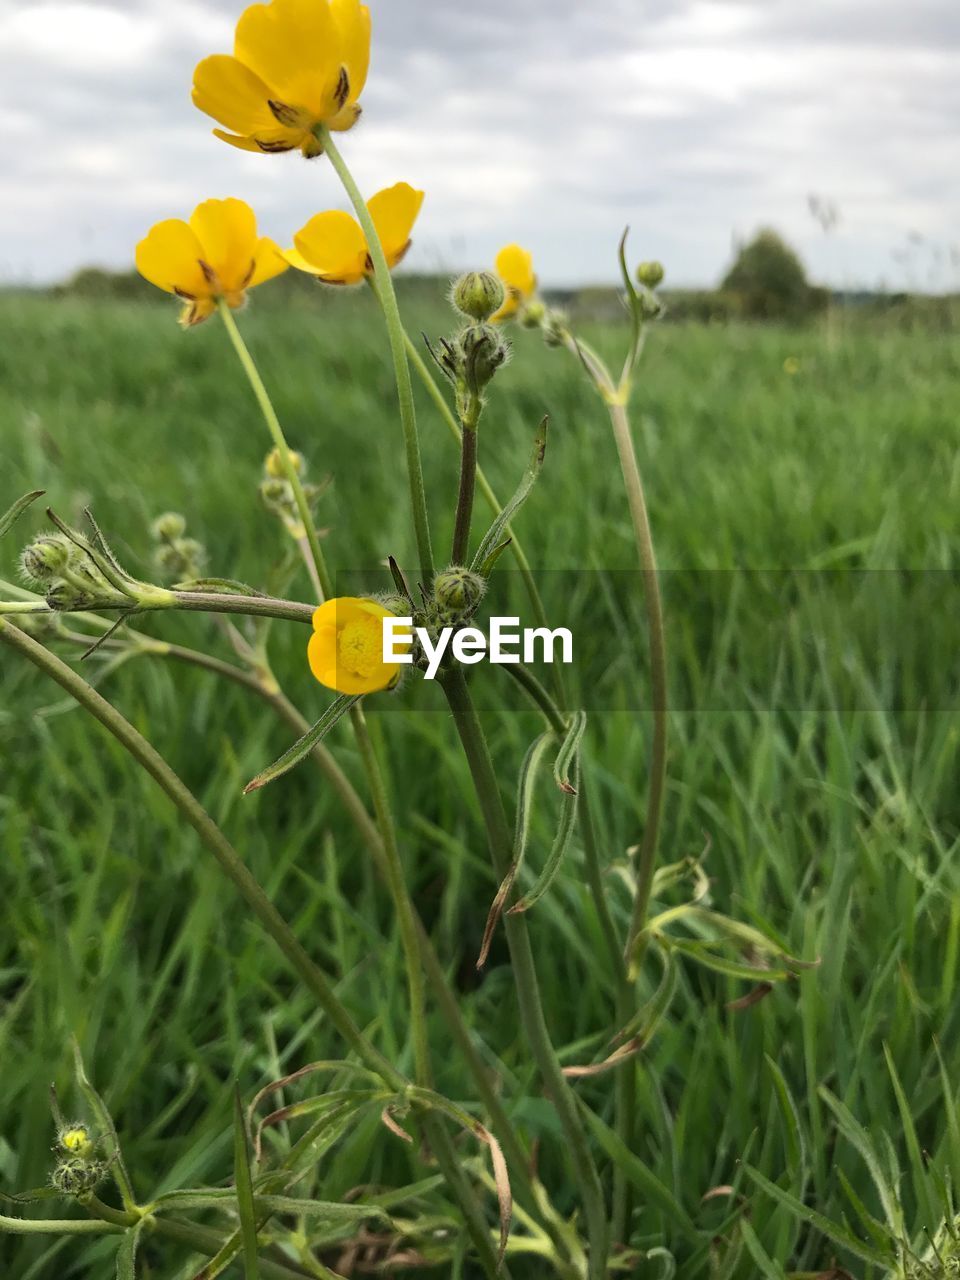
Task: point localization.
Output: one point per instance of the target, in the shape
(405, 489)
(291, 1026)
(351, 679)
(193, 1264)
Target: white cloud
(548, 121)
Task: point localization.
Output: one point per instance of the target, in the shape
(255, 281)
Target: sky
(555, 123)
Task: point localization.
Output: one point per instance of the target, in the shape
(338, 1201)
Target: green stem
(57, 1227)
(283, 449)
(187, 602)
(391, 312)
(500, 839)
(468, 485)
(483, 484)
(406, 920)
(210, 834)
(647, 859)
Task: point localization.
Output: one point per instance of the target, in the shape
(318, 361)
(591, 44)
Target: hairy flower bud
(46, 558)
(399, 606)
(478, 294)
(78, 1177)
(650, 274)
(484, 351)
(168, 526)
(273, 464)
(458, 592)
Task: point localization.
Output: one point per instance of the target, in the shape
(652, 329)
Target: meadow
(813, 748)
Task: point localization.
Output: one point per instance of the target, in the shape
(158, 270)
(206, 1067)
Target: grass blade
(244, 1186)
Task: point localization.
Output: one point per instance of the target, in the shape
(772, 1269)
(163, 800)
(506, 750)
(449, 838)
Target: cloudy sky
(552, 122)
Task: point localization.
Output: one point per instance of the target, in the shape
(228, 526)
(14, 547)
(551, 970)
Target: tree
(768, 279)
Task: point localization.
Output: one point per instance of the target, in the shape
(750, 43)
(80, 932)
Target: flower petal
(352, 21)
(267, 262)
(334, 246)
(515, 268)
(233, 94)
(227, 230)
(294, 46)
(169, 257)
(394, 212)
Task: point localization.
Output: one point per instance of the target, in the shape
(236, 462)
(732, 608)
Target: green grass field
(820, 765)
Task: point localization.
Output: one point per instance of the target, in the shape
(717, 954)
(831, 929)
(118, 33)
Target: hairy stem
(391, 312)
(468, 484)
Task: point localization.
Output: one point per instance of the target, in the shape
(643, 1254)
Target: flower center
(360, 646)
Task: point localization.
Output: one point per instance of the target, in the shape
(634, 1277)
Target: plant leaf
(527, 784)
(127, 1253)
(105, 1123)
(833, 1231)
(303, 746)
(9, 518)
(561, 842)
(244, 1187)
(495, 533)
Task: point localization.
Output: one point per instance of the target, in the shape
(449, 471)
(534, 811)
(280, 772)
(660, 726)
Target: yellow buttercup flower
(296, 64)
(332, 245)
(217, 254)
(346, 648)
(514, 266)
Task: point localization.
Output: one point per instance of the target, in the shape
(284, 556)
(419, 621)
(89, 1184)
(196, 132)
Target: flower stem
(646, 862)
(283, 449)
(210, 834)
(500, 839)
(391, 313)
(468, 481)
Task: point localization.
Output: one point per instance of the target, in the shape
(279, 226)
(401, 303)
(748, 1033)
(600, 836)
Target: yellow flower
(217, 254)
(296, 64)
(346, 648)
(514, 266)
(791, 366)
(333, 247)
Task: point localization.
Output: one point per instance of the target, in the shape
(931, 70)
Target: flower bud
(168, 526)
(533, 315)
(273, 464)
(484, 352)
(76, 1141)
(46, 558)
(399, 606)
(77, 1177)
(458, 591)
(478, 294)
(650, 274)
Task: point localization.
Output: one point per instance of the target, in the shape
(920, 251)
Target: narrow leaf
(336, 710)
(127, 1253)
(569, 750)
(561, 842)
(527, 783)
(106, 1126)
(832, 1230)
(244, 1186)
(495, 533)
(9, 518)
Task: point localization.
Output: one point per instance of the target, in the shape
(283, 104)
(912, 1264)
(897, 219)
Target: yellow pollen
(360, 646)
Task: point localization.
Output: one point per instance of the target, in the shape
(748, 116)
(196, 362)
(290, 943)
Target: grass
(814, 742)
